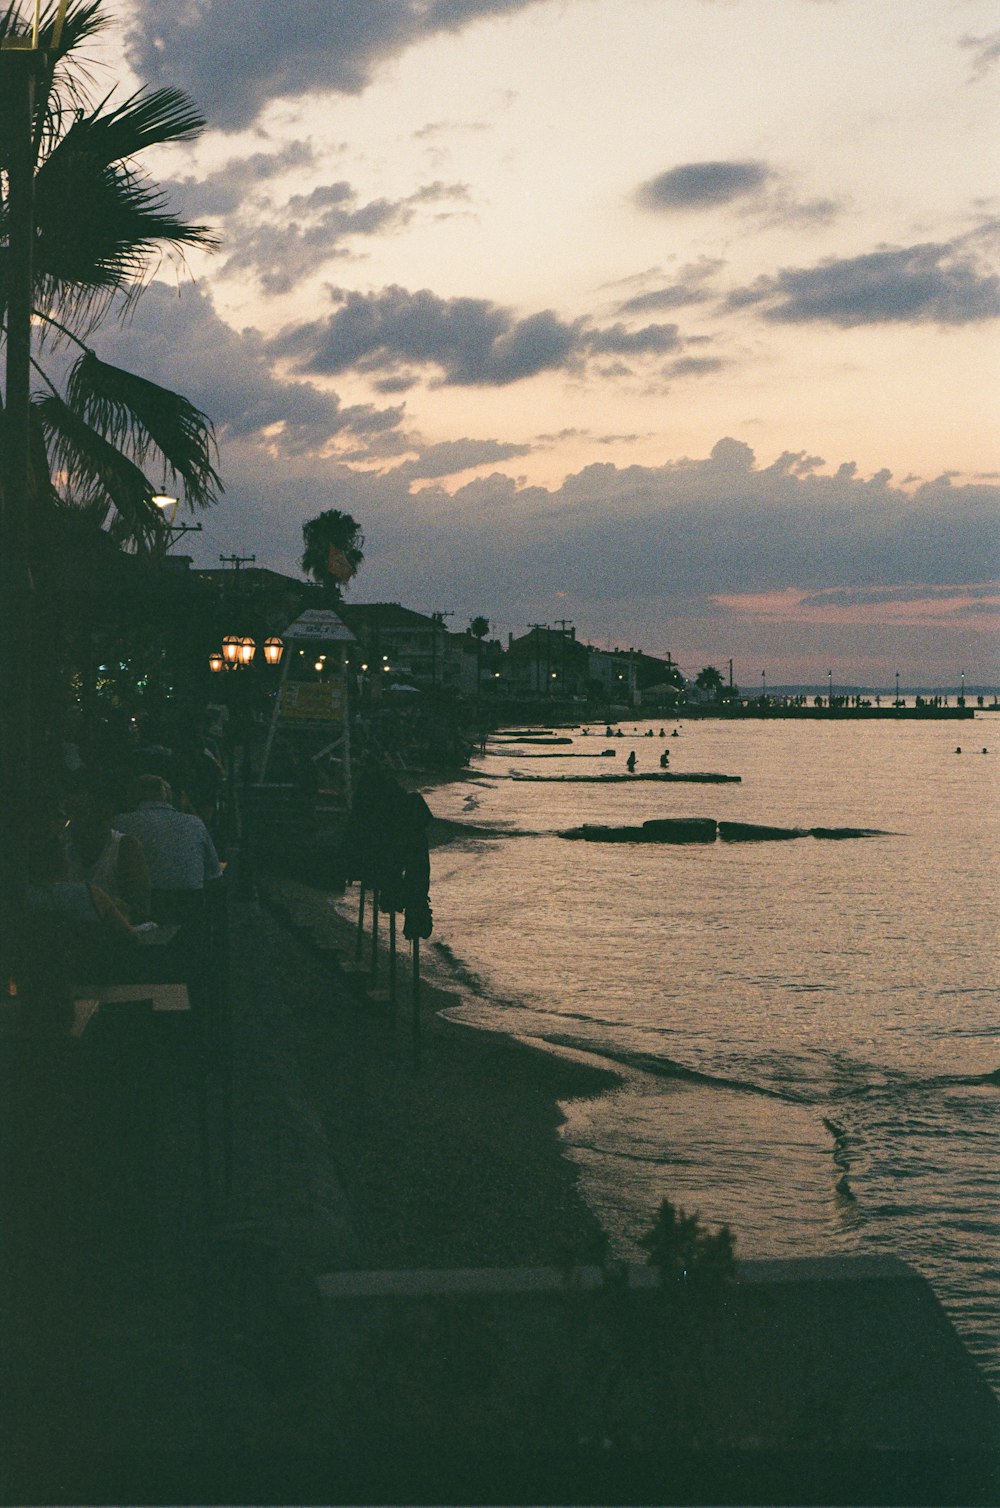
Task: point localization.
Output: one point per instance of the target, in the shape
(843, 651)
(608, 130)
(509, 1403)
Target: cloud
(947, 283)
(985, 54)
(701, 185)
(449, 457)
(693, 530)
(283, 249)
(619, 341)
(177, 339)
(467, 342)
(224, 191)
(234, 62)
(753, 188)
(694, 366)
(975, 607)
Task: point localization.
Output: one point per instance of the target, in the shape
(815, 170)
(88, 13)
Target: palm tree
(334, 549)
(710, 680)
(99, 434)
(479, 627)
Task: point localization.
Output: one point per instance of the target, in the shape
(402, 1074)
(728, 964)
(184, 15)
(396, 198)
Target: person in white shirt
(179, 851)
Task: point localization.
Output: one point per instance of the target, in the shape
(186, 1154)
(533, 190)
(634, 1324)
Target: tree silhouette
(101, 229)
(334, 549)
(710, 680)
(479, 627)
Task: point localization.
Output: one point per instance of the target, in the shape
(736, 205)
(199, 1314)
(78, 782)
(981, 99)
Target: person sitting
(99, 854)
(180, 854)
(75, 929)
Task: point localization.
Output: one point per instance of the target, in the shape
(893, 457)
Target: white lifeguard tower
(311, 711)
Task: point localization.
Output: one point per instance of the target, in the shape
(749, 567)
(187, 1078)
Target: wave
(669, 1068)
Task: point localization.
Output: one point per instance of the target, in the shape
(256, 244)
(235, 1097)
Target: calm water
(809, 1030)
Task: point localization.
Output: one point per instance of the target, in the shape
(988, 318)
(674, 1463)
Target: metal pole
(18, 71)
(359, 934)
(415, 951)
(392, 959)
(373, 972)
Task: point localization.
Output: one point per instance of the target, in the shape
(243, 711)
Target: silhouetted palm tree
(100, 433)
(334, 548)
(710, 680)
(479, 627)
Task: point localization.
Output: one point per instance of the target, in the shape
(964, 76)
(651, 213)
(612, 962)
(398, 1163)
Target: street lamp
(273, 650)
(231, 646)
(216, 662)
(829, 693)
(247, 651)
(763, 685)
(897, 688)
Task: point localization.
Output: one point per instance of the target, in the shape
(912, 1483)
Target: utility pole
(563, 624)
(236, 561)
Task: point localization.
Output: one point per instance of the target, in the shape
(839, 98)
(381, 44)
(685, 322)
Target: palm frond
(98, 220)
(135, 414)
(96, 471)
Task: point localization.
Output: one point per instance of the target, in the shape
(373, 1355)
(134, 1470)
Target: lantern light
(215, 662)
(318, 665)
(247, 650)
(231, 646)
(273, 650)
(167, 506)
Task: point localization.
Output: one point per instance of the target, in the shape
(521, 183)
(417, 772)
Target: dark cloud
(674, 296)
(234, 61)
(985, 53)
(700, 527)
(467, 342)
(752, 187)
(616, 340)
(449, 457)
(177, 339)
(948, 283)
(700, 185)
(281, 247)
(225, 190)
(694, 366)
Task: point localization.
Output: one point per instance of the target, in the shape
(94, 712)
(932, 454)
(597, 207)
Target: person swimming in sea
(630, 763)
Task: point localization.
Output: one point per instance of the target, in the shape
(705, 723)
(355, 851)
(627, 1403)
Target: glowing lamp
(167, 506)
(247, 651)
(231, 646)
(273, 650)
(215, 662)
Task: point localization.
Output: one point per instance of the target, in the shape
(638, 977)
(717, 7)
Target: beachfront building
(403, 644)
(547, 662)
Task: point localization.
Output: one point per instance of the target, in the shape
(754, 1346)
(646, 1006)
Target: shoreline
(452, 1159)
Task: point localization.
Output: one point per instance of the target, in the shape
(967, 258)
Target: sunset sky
(677, 319)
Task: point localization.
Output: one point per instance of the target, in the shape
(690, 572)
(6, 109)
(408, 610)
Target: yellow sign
(313, 701)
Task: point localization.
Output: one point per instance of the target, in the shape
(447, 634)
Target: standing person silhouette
(630, 763)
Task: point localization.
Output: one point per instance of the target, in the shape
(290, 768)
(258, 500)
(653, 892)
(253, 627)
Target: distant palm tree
(479, 628)
(99, 434)
(710, 680)
(334, 549)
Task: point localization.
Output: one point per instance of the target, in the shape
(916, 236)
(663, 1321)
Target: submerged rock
(657, 830)
(753, 832)
(681, 829)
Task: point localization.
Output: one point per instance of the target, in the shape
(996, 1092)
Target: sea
(806, 1031)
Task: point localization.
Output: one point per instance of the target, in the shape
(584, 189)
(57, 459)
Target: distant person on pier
(630, 763)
